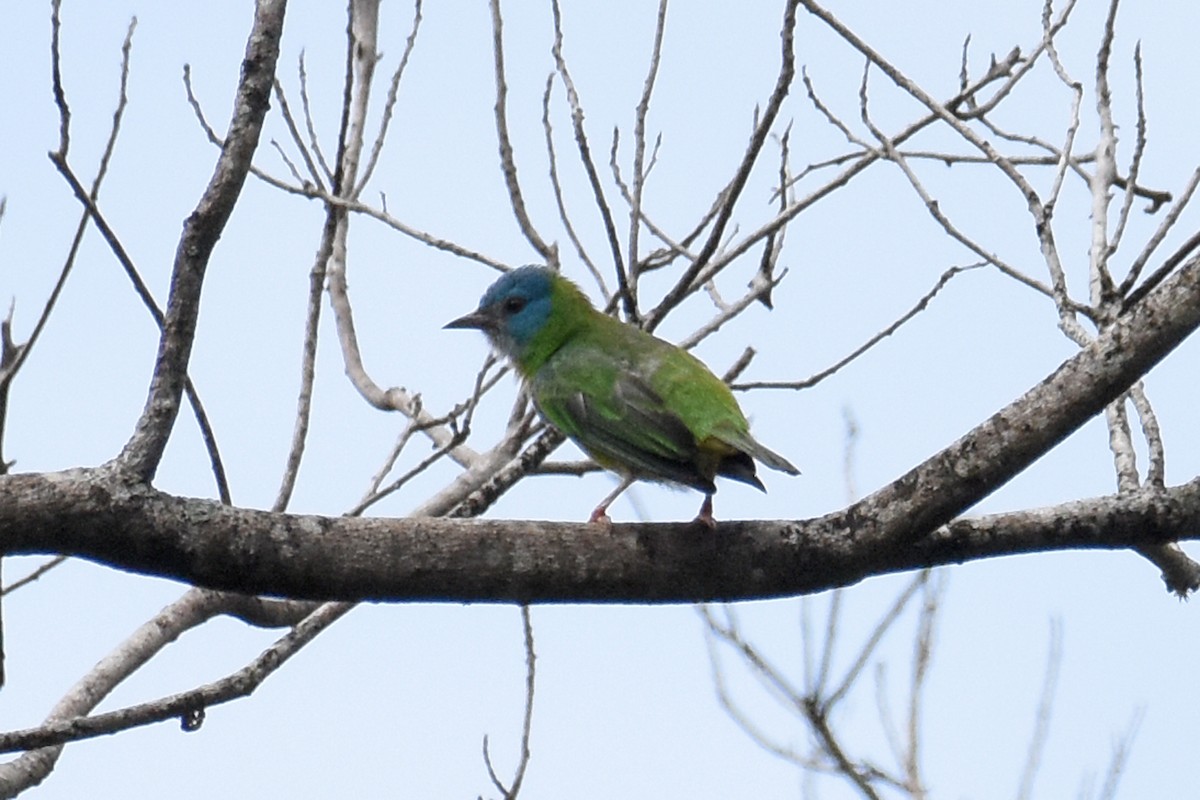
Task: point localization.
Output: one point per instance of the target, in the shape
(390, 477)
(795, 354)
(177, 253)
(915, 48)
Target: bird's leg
(705, 517)
(601, 513)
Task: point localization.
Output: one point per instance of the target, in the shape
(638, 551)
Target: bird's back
(642, 406)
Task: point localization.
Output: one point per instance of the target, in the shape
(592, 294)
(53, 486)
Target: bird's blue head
(514, 309)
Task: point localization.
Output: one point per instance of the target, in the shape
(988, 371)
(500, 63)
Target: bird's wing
(623, 424)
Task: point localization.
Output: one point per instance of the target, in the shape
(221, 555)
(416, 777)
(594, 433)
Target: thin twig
(880, 629)
(92, 211)
(1045, 712)
(923, 640)
(935, 208)
(860, 164)
(686, 283)
(514, 789)
(559, 199)
(624, 291)
(309, 125)
(389, 105)
(1160, 233)
(1181, 255)
(874, 340)
(639, 153)
(507, 163)
(189, 705)
(1037, 209)
(760, 288)
(64, 114)
(308, 358)
(34, 575)
(315, 174)
(143, 452)
(1157, 468)
(1139, 150)
(1100, 278)
(1120, 757)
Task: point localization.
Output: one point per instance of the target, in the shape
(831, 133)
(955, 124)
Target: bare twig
(1120, 758)
(314, 141)
(1045, 712)
(935, 209)
(1100, 278)
(507, 163)
(819, 685)
(18, 355)
(1139, 150)
(1120, 443)
(1065, 153)
(316, 192)
(675, 248)
(932, 591)
(639, 156)
(1168, 222)
(459, 436)
(92, 211)
(34, 575)
(10, 352)
(760, 288)
(315, 175)
(390, 104)
(686, 282)
(1037, 209)
(68, 722)
(874, 340)
(144, 450)
(308, 358)
(60, 95)
(1157, 468)
(625, 292)
(860, 163)
(514, 789)
(559, 200)
(332, 250)
(885, 623)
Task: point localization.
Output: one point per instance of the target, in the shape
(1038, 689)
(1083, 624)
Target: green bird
(636, 404)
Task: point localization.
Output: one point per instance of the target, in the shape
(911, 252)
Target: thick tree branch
(95, 515)
(86, 514)
(984, 459)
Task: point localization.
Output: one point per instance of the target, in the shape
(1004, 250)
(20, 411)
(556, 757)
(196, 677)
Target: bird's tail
(767, 456)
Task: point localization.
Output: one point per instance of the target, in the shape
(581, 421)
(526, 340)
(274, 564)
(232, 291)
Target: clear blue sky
(394, 700)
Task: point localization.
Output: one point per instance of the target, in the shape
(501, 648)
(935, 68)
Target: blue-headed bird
(638, 405)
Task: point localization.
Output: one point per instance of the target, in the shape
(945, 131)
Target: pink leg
(705, 517)
(601, 513)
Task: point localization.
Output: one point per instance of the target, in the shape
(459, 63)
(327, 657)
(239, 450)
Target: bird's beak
(476, 319)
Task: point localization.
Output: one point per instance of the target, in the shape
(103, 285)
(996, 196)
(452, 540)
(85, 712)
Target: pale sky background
(395, 700)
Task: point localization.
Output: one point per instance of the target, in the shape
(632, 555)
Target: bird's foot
(600, 515)
(705, 517)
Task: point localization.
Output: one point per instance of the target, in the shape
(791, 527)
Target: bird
(636, 404)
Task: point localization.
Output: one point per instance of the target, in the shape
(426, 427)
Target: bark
(208, 544)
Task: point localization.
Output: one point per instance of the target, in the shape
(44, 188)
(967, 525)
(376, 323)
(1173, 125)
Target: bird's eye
(513, 305)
